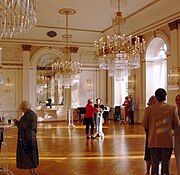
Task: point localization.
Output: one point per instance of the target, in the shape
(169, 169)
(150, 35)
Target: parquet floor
(66, 152)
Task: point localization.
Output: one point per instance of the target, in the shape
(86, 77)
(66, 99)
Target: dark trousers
(131, 116)
(89, 122)
(163, 155)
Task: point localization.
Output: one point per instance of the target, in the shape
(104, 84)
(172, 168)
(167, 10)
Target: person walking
(27, 156)
(160, 120)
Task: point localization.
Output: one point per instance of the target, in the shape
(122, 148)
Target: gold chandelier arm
(66, 29)
(118, 5)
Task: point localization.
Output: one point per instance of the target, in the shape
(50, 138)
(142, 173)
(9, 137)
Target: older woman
(27, 150)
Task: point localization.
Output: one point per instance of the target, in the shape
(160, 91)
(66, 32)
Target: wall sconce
(8, 86)
(90, 85)
(174, 78)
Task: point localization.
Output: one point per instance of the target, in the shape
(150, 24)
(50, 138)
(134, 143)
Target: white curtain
(120, 90)
(156, 76)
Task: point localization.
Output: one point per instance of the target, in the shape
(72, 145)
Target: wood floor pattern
(67, 152)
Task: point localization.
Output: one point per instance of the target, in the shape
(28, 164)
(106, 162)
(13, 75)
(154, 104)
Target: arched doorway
(156, 66)
(47, 86)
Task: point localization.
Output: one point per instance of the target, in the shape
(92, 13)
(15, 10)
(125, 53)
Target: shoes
(92, 137)
(98, 135)
(88, 137)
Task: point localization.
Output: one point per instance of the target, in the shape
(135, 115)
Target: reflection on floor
(67, 152)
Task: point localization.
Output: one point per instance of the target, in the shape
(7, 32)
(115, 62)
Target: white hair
(24, 105)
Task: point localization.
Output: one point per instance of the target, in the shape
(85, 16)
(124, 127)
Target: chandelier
(174, 78)
(119, 52)
(66, 70)
(16, 16)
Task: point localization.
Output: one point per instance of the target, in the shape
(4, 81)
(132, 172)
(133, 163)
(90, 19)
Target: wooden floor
(66, 152)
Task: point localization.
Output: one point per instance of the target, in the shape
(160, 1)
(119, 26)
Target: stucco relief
(12, 55)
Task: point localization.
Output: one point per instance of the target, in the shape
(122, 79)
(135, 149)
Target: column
(110, 91)
(140, 91)
(72, 93)
(26, 72)
(174, 57)
(103, 86)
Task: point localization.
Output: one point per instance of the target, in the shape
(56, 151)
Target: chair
(81, 111)
(117, 113)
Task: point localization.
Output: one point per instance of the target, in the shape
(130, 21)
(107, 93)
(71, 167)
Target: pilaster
(26, 72)
(173, 57)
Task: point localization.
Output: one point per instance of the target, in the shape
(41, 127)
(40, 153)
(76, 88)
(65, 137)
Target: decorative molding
(158, 24)
(54, 43)
(26, 47)
(12, 55)
(73, 49)
(71, 29)
(174, 25)
(129, 16)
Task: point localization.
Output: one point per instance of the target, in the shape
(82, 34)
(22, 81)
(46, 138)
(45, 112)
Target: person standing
(177, 137)
(147, 157)
(131, 109)
(98, 105)
(160, 119)
(27, 156)
(89, 119)
(126, 108)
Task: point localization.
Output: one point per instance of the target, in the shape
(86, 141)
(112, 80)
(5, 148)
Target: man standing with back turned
(160, 119)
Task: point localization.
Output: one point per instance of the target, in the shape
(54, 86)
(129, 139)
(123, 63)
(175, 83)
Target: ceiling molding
(97, 31)
(45, 42)
(158, 24)
(72, 29)
(136, 12)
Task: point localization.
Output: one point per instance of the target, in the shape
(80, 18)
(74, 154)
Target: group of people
(129, 107)
(160, 122)
(91, 116)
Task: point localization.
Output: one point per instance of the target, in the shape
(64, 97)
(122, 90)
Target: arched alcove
(41, 59)
(156, 66)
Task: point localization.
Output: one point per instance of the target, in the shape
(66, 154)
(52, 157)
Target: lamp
(174, 78)
(16, 16)
(119, 52)
(66, 70)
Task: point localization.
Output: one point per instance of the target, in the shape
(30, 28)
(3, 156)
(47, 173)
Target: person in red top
(126, 105)
(89, 118)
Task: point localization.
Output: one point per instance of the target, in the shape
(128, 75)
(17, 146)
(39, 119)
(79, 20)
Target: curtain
(156, 76)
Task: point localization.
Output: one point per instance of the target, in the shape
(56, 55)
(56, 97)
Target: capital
(73, 49)
(26, 47)
(174, 25)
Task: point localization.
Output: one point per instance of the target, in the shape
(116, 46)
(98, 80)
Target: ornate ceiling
(93, 18)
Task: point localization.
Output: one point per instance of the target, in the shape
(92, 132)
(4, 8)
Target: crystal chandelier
(16, 16)
(119, 52)
(174, 78)
(66, 70)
